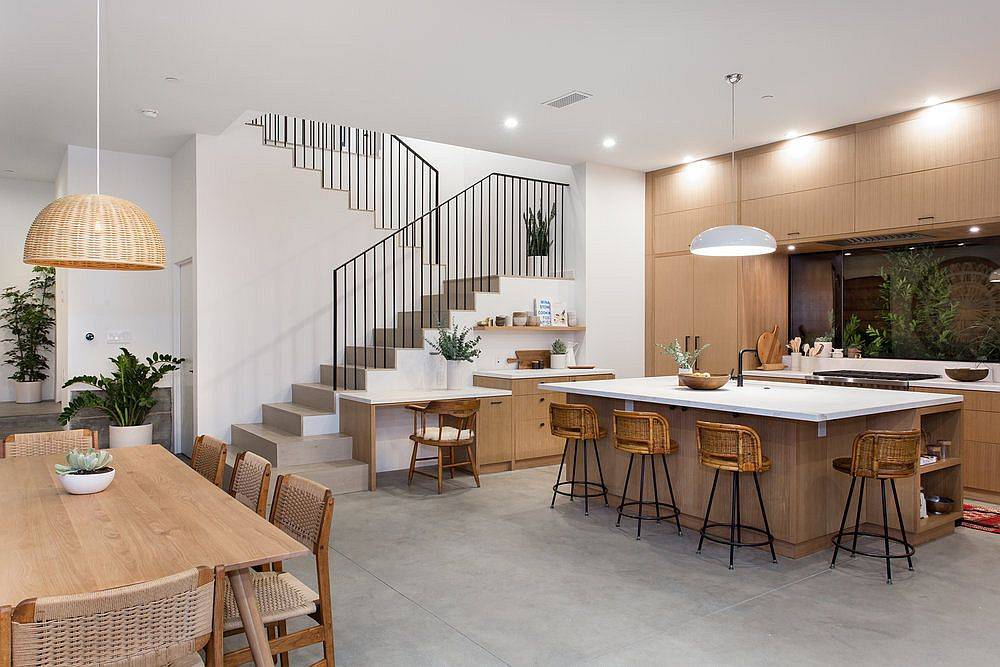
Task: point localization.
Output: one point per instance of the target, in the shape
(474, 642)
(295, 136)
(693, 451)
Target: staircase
(433, 262)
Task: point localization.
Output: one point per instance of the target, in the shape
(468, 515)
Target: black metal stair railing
(414, 277)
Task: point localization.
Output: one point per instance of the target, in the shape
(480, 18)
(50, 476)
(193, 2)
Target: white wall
(20, 202)
(103, 301)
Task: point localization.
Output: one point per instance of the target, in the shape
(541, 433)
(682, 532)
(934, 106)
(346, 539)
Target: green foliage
(852, 333)
(558, 346)
(29, 315)
(681, 358)
(455, 345)
(127, 395)
(86, 460)
(537, 227)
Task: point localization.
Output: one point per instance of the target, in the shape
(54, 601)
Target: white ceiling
(451, 70)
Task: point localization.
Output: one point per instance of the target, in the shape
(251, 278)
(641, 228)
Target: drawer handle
(926, 217)
(541, 400)
(794, 233)
(541, 425)
(496, 402)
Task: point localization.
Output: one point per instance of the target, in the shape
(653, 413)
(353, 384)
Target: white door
(184, 385)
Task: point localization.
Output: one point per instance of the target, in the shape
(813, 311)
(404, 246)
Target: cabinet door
(714, 282)
(696, 185)
(494, 437)
(672, 307)
(802, 215)
(533, 438)
(672, 232)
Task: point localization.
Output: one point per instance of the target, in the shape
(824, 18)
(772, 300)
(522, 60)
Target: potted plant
(459, 351)
(685, 360)
(29, 316)
(538, 239)
(558, 357)
(126, 397)
(86, 471)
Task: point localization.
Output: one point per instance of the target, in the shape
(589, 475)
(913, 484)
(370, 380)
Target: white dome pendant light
(95, 231)
(733, 240)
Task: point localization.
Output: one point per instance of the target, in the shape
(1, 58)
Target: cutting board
(525, 357)
(769, 350)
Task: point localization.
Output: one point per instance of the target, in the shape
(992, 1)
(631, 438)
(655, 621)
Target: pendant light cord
(733, 80)
(98, 96)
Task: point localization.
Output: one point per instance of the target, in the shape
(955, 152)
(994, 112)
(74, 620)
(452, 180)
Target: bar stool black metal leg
(739, 511)
(857, 517)
(902, 528)
(586, 487)
(885, 532)
(708, 510)
(843, 522)
(600, 473)
(763, 513)
(656, 491)
(642, 488)
(562, 462)
(734, 494)
(576, 453)
(628, 476)
(670, 487)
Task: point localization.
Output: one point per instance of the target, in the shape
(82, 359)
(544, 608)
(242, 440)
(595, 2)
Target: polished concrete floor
(493, 576)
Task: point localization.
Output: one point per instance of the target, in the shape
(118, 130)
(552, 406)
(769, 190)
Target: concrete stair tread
(284, 438)
(301, 410)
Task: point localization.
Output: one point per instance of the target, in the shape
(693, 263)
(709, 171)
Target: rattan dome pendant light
(95, 231)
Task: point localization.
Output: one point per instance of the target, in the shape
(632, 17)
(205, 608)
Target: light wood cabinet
(494, 435)
(696, 185)
(672, 232)
(802, 215)
(673, 308)
(797, 165)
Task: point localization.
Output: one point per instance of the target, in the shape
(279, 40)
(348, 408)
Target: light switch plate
(118, 337)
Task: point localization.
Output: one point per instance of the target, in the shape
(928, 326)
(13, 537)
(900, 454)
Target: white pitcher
(571, 353)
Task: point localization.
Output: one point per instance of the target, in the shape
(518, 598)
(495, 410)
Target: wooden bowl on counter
(967, 374)
(702, 382)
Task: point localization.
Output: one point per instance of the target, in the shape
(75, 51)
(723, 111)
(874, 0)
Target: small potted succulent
(538, 237)
(558, 357)
(126, 397)
(459, 351)
(685, 360)
(86, 471)
(29, 316)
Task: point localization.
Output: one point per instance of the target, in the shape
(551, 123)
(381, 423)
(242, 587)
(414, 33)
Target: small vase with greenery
(459, 351)
(29, 316)
(685, 360)
(557, 358)
(126, 396)
(538, 235)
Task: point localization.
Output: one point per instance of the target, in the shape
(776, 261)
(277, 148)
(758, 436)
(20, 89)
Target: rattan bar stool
(577, 423)
(736, 449)
(646, 434)
(881, 455)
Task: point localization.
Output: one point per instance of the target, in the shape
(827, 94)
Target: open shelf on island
(939, 465)
(526, 328)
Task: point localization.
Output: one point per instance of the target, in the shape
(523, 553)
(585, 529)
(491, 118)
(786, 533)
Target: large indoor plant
(459, 351)
(538, 232)
(126, 397)
(29, 316)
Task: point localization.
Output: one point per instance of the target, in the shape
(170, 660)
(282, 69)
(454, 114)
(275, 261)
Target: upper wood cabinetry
(672, 232)
(696, 185)
(802, 215)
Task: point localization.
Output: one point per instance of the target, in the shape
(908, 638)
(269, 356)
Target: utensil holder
(796, 363)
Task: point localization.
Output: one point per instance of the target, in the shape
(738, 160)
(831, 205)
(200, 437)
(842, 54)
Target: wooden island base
(803, 495)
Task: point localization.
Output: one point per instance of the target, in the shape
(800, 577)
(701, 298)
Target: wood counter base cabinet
(532, 443)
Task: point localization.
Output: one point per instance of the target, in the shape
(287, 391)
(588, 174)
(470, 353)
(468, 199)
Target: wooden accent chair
(250, 481)
(161, 622)
(456, 428)
(303, 509)
(577, 423)
(48, 442)
(646, 434)
(881, 455)
(733, 448)
(209, 458)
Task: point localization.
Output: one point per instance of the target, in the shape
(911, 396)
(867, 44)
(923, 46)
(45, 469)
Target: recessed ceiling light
(791, 247)
(510, 122)
(687, 158)
(791, 134)
(609, 142)
(171, 79)
(974, 229)
(150, 113)
(767, 97)
(932, 100)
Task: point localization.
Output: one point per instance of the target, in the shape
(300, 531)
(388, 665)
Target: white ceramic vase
(684, 370)
(80, 485)
(131, 436)
(557, 361)
(28, 392)
(459, 374)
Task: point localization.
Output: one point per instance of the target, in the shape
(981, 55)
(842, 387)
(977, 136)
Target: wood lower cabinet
(495, 442)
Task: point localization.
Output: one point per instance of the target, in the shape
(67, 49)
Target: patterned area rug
(983, 518)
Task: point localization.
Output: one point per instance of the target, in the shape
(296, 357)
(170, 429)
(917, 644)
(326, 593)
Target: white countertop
(528, 373)
(811, 403)
(943, 382)
(392, 396)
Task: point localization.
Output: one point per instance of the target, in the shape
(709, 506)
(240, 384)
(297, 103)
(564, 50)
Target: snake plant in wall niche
(538, 238)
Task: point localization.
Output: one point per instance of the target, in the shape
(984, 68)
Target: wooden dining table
(157, 518)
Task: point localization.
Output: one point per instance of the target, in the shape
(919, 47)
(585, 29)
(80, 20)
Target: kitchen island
(802, 429)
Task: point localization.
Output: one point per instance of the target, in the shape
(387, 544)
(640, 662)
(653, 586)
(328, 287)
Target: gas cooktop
(877, 375)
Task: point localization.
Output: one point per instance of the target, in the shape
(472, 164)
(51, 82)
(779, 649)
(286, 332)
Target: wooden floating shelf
(526, 328)
(935, 520)
(939, 465)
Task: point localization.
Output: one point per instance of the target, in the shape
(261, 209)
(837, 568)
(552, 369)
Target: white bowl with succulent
(86, 471)
(685, 360)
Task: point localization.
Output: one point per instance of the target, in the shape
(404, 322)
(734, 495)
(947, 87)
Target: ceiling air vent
(879, 238)
(569, 98)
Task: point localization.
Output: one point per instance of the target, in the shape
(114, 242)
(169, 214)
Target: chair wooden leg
(440, 471)
(328, 644)
(475, 466)
(282, 630)
(451, 461)
(413, 464)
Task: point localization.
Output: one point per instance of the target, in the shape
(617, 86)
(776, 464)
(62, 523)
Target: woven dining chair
(161, 622)
(209, 458)
(47, 442)
(303, 509)
(250, 480)
(455, 429)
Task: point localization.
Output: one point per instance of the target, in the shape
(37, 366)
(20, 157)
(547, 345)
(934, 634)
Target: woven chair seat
(280, 596)
(730, 465)
(444, 434)
(886, 471)
(657, 448)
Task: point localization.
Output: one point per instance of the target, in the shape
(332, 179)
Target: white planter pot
(459, 374)
(28, 392)
(538, 266)
(131, 436)
(80, 485)
(557, 361)
(684, 370)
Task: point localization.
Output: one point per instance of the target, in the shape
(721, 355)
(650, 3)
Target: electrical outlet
(118, 337)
